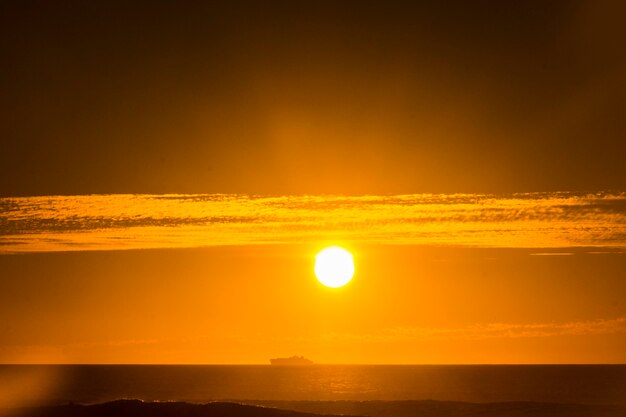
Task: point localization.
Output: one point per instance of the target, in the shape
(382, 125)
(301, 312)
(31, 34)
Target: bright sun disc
(334, 266)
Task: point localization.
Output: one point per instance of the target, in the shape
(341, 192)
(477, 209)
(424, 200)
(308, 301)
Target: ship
(292, 361)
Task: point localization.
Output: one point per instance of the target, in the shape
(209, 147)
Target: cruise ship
(294, 360)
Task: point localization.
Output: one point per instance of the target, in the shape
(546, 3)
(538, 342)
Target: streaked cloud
(511, 330)
(479, 331)
(552, 254)
(114, 222)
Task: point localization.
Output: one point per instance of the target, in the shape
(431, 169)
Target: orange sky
(351, 97)
(169, 170)
(245, 304)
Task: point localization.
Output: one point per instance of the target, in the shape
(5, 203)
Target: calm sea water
(591, 384)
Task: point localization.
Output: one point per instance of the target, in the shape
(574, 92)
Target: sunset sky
(168, 171)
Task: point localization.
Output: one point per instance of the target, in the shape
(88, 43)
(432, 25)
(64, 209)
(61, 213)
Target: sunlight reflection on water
(591, 384)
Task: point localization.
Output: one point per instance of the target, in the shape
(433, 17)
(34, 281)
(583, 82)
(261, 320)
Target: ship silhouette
(294, 360)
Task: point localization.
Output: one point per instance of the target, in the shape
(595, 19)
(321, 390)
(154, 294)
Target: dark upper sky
(311, 97)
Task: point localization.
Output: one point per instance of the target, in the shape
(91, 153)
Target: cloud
(485, 331)
(552, 254)
(508, 330)
(479, 331)
(115, 222)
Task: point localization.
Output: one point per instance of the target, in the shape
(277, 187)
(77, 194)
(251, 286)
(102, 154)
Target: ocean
(89, 384)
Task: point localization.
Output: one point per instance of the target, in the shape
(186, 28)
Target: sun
(334, 266)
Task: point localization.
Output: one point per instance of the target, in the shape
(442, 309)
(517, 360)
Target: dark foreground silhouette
(428, 408)
(136, 408)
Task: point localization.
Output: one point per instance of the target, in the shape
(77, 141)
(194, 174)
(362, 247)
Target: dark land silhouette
(138, 408)
(431, 408)
(427, 408)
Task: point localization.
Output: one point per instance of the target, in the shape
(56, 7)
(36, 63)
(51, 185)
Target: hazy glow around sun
(334, 266)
